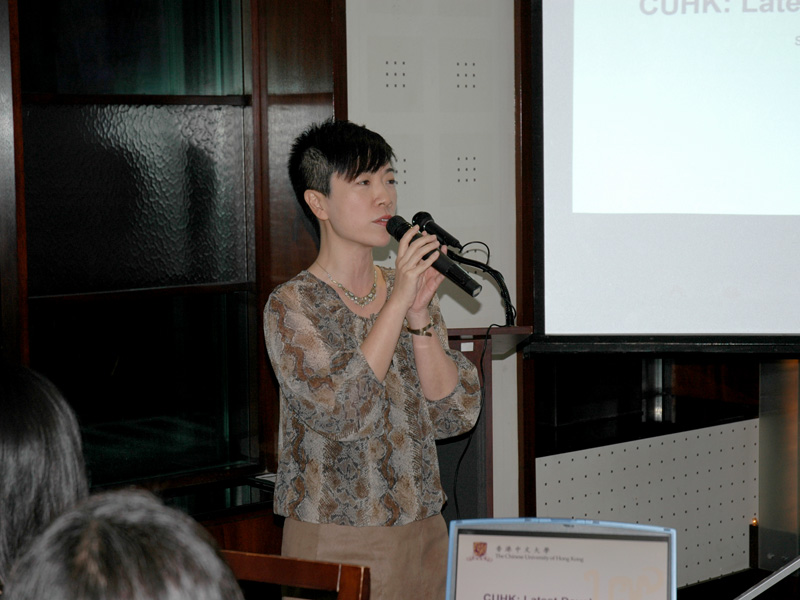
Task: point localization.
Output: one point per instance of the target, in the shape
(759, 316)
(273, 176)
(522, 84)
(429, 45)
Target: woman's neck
(360, 284)
(354, 270)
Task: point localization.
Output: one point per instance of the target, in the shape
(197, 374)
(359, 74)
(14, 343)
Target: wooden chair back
(350, 582)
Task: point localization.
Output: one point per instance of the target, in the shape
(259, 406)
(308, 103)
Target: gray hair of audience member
(42, 468)
(123, 545)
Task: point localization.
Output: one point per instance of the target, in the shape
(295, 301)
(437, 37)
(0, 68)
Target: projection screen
(671, 167)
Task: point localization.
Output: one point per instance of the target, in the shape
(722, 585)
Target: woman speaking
(367, 379)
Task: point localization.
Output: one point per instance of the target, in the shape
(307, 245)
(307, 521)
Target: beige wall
(436, 78)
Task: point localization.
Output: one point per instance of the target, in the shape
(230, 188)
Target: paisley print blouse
(354, 450)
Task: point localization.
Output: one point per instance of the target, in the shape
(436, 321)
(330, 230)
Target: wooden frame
(351, 582)
(13, 260)
(529, 266)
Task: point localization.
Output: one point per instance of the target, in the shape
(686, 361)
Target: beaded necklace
(360, 300)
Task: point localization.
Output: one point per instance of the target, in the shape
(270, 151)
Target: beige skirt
(405, 561)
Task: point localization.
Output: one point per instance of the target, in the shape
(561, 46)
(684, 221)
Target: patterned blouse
(354, 450)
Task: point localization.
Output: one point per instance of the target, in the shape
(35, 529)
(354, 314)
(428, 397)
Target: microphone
(397, 227)
(426, 223)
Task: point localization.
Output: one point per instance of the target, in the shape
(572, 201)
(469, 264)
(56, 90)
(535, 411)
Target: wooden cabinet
(256, 531)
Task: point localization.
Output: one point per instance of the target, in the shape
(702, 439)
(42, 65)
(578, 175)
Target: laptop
(537, 559)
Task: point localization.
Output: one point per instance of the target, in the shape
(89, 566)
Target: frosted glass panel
(122, 197)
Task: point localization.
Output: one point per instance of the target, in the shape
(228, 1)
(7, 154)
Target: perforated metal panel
(439, 86)
(703, 483)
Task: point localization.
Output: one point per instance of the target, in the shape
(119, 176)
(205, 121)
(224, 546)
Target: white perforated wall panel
(703, 483)
(436, 78)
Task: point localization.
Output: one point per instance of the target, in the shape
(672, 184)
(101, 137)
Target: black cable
(511, 315)
(477, 421)
(485, 246)
(511, 312)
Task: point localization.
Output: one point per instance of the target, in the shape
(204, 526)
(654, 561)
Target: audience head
(123, 545)
(42, 469)
(333, 147)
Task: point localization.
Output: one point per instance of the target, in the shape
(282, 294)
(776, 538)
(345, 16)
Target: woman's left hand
(416, 281)
(429, 283)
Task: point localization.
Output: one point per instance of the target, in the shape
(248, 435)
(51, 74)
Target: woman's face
(358, 210)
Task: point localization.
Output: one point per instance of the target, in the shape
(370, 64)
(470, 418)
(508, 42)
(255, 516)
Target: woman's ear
(316, 202)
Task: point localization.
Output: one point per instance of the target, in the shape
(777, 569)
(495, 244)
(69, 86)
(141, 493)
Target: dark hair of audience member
(123, 545)
(42, 469)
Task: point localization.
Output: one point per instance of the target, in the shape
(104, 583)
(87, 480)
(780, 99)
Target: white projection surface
(671, 167)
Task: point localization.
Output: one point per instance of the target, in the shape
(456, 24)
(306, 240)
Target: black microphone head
(426, 223)
(397, 227)
(421, 219)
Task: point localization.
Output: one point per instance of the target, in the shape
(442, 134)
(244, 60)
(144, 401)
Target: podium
(465, 461)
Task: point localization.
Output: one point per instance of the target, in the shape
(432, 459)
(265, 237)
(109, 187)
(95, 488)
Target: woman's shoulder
(296, 288)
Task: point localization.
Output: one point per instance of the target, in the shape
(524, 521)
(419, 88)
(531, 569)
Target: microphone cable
(472, 431)
(511, 312)
(511, 315)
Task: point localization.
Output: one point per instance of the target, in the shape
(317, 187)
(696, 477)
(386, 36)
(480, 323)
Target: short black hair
(123, 544)
(333, 146)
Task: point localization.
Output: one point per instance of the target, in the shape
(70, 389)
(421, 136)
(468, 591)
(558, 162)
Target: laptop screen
(536, 559)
